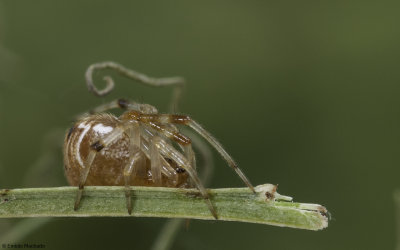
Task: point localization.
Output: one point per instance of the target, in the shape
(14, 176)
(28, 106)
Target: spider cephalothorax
(140, 148)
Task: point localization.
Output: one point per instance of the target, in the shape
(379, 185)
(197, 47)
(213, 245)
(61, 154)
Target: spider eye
(180, 170)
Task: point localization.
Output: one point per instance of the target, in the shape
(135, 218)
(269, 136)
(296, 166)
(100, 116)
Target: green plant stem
(232, 204)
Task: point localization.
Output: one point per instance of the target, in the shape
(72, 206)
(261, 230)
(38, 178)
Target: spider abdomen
(108, 166)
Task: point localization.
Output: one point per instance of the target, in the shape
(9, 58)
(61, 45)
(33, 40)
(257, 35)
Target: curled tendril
(178, 82)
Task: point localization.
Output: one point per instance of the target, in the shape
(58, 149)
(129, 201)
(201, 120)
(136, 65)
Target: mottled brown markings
(5, 200)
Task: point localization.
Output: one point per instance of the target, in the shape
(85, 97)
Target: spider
(141, 147)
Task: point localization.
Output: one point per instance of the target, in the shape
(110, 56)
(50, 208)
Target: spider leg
(159, 165)
(155, 162)
(189, 154)
(134, 161)
(205, 154)
(166, 168)
(94, 149)
(184, 142)
(157, 121)
(206, 135)
(169, 151)
(177, 82)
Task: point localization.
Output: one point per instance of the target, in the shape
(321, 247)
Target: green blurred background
(304, 94)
